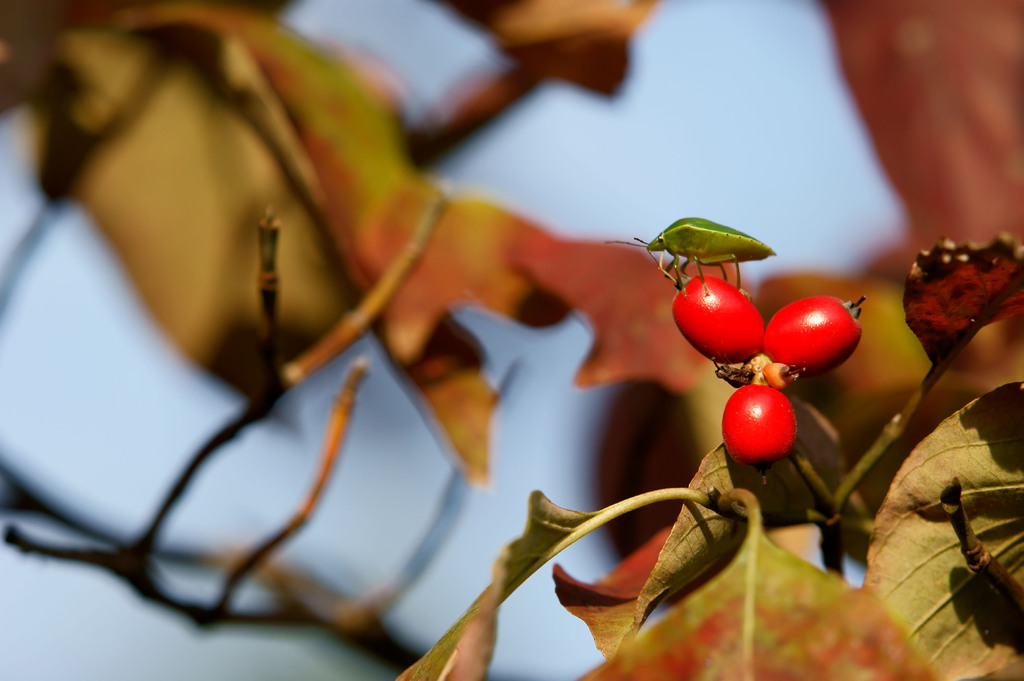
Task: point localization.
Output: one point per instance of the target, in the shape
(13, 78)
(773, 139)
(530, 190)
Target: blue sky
(734, 111)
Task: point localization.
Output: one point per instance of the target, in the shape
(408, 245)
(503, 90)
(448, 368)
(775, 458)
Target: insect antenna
(635, 242)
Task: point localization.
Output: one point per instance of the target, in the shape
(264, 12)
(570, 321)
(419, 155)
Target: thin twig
(127, 566)
(898, 424)
(260, 405)
(355, 323)
(337, 425)
(979, 559)
(254, 411)
(266, 281)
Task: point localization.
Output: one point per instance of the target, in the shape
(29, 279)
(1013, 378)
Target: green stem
(890, 433)
(898, 424)
(831, 538)
(602, 517)
(819, 490)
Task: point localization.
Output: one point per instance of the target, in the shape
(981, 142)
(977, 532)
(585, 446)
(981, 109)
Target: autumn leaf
(955, 619)
(608, 605)
(582, 41)
(941, 88)
(627, 302)
(954, 289)
(548, 527)
(617, 606)
(769, 615)
(178, 186)
(246, 114)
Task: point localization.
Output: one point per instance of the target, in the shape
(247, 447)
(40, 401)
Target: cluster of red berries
(806, 338)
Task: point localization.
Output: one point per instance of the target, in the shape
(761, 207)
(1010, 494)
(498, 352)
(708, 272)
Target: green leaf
(914, 561)
(769, 615)
(549, 529)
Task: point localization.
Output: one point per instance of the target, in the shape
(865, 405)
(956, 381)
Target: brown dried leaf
(449, 377)
(178, 190)
(953, 289)
(582, 41)
(955, 619)
(941, 87)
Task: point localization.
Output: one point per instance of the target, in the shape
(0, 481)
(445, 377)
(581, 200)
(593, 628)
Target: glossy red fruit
(758, 426)
(813, 335)
(719, 321)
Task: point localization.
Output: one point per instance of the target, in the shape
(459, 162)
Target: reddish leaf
(582, 41)
(466, 263)
(449, 377)
(953, 289)
(628, 303)
(607, 606)
(769, 615)
(941, 87)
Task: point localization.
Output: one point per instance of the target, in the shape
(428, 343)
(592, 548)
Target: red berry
(758, 426)
(719, 321)
(813, 335)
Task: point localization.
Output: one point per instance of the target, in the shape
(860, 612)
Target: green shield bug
(704, 242)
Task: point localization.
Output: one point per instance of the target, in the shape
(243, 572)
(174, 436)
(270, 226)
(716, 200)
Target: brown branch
(979, 559)
(259, 406)
(266, 281)
(123, 563)
(336, 428)
(355, 323)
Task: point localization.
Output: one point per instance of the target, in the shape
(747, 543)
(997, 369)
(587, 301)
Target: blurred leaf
(547, 527)
(352, 139)
(28, 34)
(180, 133)
(627, 302)
(449, 377)
(177, 183)
(803, 624)
(97, 11)
(941, 87)
(581, 41)
(960, 623)
(953, 288)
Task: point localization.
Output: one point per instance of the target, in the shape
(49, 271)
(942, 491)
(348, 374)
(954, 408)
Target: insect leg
(700, 274)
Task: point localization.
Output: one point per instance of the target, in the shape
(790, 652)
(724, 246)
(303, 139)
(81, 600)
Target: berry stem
(831, 539)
